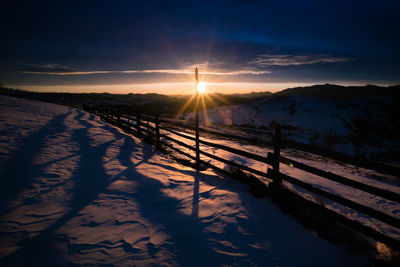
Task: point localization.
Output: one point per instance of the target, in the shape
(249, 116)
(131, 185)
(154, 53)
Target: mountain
(338, 91)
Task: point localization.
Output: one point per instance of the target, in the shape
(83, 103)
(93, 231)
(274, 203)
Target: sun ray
(185, 106)
(212, 99)
(222, 99)
(208, 99)
(205, 114)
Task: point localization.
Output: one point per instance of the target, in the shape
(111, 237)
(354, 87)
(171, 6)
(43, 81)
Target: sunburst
(202, 87)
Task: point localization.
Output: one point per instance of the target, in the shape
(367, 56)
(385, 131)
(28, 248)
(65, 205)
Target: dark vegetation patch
(330, 140)
(289, 127)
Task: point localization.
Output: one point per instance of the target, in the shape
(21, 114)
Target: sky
(239, 46)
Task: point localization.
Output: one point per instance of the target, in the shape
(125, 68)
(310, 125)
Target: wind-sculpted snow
(75, 190)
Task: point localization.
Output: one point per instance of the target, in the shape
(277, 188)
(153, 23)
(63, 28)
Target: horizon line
(79, 89)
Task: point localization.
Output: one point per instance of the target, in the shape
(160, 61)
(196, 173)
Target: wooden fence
(154, 128)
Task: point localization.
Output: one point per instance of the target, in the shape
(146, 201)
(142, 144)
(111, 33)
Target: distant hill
(252, 95)
(174, 104)
(338, 91)
(151, 102)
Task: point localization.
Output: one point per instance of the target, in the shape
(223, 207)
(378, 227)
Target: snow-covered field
(75, 190)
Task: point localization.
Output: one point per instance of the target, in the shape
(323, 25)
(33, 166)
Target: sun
(201, 87)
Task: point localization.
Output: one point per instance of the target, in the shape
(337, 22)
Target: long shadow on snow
(39, 173)
(18, 171)
(90, 179)
(189, 243)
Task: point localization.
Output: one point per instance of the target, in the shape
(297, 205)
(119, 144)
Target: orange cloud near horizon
(169, 88)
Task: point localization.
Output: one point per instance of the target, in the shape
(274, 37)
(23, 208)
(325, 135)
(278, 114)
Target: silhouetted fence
(150, 126)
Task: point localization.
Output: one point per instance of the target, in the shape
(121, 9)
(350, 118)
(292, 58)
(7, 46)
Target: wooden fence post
(277, 141)
(148, 128)
(197, 132)
(157, 130)
(119, 117)
(138, 123)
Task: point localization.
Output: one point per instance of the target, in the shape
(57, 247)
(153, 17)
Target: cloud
(290, 60)
(55, 69)
(46, 68)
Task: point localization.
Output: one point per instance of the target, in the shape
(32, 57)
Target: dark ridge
(172, 104)
(149, 103)
(339, 91)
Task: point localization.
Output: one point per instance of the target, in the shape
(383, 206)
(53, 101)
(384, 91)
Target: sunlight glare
(201, 87)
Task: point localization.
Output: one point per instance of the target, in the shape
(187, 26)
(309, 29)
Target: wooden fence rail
(343, 180)
(151, 125)
(342, 157)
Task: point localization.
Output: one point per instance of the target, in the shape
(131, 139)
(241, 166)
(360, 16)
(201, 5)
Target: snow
(346, 170)
(75, 190)
(318, 121)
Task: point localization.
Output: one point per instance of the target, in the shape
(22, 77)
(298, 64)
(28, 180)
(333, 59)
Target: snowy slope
(75, 190)
(330, 123)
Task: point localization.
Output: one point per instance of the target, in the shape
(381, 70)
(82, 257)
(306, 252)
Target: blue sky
(239, 46)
